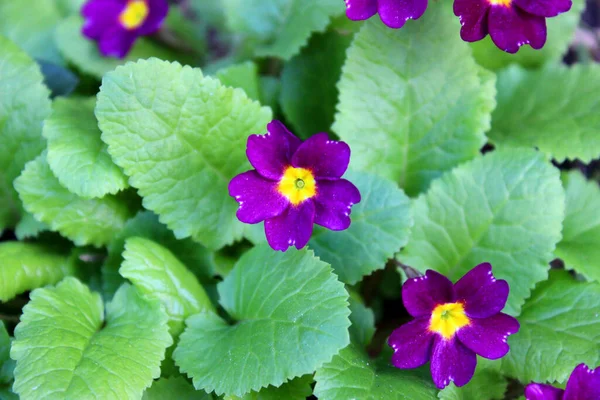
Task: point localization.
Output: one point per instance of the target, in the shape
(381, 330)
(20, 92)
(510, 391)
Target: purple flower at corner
(116, 24)
(452, 324)
(294, 185)
(510, 23)
(393, 13)
(583, 384)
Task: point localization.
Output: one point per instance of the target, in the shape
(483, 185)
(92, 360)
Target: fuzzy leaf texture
(64, 350)
(489, 210)
(560, 119)
(409, 114)
(180, 137)
(292, 316)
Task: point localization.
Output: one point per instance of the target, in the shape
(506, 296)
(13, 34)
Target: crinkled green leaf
(243, 76)
(26, 266)
(308, 83)
(280, 27)
(505, 208)
(352, 375)
(29, 227)
(66, 348)
(580, 245)
(24, 105)
(157, 273)
(560, 329)
(180, 137)
(561, 30)
(292, 316)
(174, 388)
(407, 112)
(560, 119)
(380, 227)
(84, 221)
(76, 154)
(485, 385)
(362, 320)
(296, 389)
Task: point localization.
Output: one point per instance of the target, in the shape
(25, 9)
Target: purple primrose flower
(452, 324)
(294, 185)
(116, 24)
(393, 13)
(584, 384)
(510, 23)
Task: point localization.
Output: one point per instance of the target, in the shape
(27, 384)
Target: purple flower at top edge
(393, 13)
(294, 185)
(510, 23)
(583, 384)
(116, 24)
(452, 324)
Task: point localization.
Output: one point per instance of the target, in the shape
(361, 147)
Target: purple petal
(116, 42)
(100, 16)
(421, 295)
(395, 13)
(544, 8)
(487, 336)
(258, 197)
(158, 10)
(584, 384)
(358, 10)
(325, 158)
(271, 154)
(510, 28)
(482, 294)
(537, 391)
(412, 344)
(292, 228)
(451, 361)
(333, 203)
(473, 16)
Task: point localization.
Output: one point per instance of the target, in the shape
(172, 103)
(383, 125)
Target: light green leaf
(580, 246)
(362, 320)
(26, 266)
(308, 83)
(156, 273)
(24, 105)
(76, 154)
(529, 115)
(485, 385)
(66, 348)
(560, 34)
(84, 221)
(352, 375)
(296, 389)
(560, 329)
(29, 227)
(190, 131)
(409, 114)
(243, 76)
(174, 388)
(489, 210)
(380, 227)
(280, 27)
(292, 316)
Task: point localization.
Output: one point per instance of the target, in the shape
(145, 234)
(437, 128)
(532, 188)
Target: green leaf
(4, 344)
(485, 385)
(24, 105)
(29, 227)
(292, 316)
(579, 247)
(559, 330)
(191, 132)
(243, 76)
(489, 210)
(380, 227)
(362, 320)
(76, 154)
(308, 83)
(156, 273)
(415, 115)
(528, 114)
(296, 389)
(352, 375)
(26, 266)
(84, 221)
(7, 365)
(561, 30)
(174, 388)
(68, 7)
(280, 27)
(7, 394)
(60, 80)
(65, 348)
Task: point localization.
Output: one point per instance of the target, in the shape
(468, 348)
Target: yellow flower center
(297, 184)
(447, 319)
(504, 3)
(134, 14)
